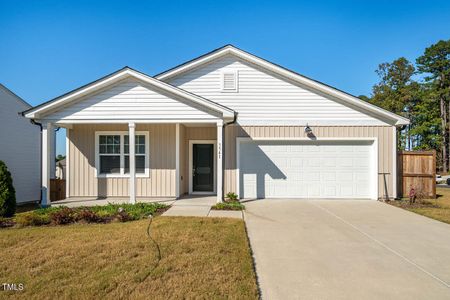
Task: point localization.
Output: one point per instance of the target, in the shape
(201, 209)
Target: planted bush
(32, 219)
(95, 214)
(228, 206)
(64, 216)
(7, 192)
(87, 216)
(231, 197)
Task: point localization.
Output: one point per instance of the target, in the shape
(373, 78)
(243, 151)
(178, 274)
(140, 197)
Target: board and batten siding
(82, 178)
(263, 96)
(132, 99)
(384, 135)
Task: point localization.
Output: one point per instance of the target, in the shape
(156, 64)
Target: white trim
(374, 147)
(394, 162)
(219, 158)
(122, 160)
(132, 160)
(288, 74)
(177, 160)
(67, 162)
(52, 140)
(263, 121)
(191, 143)
(126, 121)
(122, 74)
(47, 129)
(235, 74)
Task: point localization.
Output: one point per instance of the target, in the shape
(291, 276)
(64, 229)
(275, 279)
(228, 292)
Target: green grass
(206, 258)
(438, 209)
(235, 205)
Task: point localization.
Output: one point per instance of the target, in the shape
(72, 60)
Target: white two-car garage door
(307, 169)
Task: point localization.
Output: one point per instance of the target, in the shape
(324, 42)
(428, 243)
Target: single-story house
(20, 147)
(227, 121)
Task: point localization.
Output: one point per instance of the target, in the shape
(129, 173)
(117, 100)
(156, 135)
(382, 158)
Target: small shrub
(123, 216)
(7, 192)
(231, 197)
(6, 222)
(63, 216)
(97, 214)
(228, 206)
(136, 211)
(87, 216)
(32, 219)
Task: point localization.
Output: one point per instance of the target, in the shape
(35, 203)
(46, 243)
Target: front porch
(136, 162)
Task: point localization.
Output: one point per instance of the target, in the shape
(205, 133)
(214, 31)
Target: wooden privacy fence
(417, 169)
(57, 189)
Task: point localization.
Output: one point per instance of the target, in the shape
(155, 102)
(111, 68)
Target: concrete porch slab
(86, 201)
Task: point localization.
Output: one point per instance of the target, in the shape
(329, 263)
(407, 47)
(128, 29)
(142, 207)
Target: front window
(109, 152)
(139, 154)
(113, 159)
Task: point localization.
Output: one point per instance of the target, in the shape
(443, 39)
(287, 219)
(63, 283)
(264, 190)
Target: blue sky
(50, 47)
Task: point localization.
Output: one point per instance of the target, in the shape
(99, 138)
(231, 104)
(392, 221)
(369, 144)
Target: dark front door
(203, 167)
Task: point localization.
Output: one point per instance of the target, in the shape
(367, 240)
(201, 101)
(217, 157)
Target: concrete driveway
(325, 249)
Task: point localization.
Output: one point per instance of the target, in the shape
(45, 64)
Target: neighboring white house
(61, 169)
(20, 146)
(227, 121)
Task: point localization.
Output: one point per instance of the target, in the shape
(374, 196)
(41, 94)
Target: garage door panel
(272, 169)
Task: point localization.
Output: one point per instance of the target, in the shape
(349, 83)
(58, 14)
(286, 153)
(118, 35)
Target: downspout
(40, 165)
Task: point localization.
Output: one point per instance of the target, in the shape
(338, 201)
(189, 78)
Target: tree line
(419, 91)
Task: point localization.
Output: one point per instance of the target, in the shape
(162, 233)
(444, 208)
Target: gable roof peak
(284, 72)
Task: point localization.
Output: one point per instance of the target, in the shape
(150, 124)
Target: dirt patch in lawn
(201, 258)
(438, 208)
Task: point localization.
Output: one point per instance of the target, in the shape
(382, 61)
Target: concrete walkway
(322, 249)
(199, 207)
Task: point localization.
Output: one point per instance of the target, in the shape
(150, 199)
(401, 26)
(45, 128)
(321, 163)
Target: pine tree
(7, 192)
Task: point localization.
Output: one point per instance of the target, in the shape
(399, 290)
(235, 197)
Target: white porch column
(52, 141)
(47, 131)
(177, 161)
(219, 161)
(132, 160)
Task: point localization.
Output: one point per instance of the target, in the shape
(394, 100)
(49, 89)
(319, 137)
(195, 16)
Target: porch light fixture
(308, 129)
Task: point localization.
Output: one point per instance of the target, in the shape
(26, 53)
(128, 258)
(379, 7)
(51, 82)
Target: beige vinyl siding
(84, 183)
(132, 99)
(265, 96)
(382, 133)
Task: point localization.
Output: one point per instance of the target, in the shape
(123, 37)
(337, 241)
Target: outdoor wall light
(308, 129)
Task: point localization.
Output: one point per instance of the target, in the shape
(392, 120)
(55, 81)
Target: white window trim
(122, 174)
(236, 81)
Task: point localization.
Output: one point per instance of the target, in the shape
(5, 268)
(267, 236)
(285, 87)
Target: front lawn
(201, 258)
(438, 209)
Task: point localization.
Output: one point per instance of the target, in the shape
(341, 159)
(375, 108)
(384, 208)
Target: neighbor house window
(113, 159)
